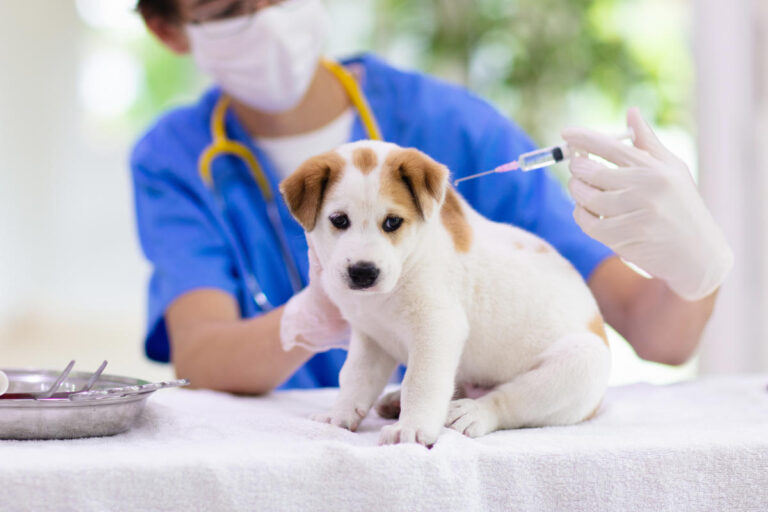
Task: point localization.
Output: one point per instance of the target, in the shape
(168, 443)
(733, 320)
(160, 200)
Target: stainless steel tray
(62, 417)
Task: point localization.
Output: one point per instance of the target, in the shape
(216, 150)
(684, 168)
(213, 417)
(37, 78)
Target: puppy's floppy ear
(425, 179)
(305, 189)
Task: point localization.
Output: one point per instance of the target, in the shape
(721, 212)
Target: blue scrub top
(197, 239)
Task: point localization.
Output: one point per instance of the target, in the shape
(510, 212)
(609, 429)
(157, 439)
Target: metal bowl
(61, 418)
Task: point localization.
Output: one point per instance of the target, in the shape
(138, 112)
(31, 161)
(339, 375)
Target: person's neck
(324, 101)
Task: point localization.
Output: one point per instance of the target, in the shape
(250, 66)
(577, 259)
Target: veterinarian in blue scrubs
(227, 255)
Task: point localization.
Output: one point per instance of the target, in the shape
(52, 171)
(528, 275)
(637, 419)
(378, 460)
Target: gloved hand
(310, 320)
(648, 209)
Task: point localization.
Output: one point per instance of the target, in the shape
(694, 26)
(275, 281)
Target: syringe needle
(473, 176)
(510, 166)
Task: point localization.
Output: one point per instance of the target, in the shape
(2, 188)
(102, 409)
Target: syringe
(539, 158)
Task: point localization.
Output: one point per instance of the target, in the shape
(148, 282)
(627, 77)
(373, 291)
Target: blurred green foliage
(544, 62)
(169, 80)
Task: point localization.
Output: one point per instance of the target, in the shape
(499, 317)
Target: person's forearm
(663, 327)
(658, 324)
(241, 356)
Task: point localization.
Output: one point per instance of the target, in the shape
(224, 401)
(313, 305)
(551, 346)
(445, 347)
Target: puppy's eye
(392, 223)
(339, 220)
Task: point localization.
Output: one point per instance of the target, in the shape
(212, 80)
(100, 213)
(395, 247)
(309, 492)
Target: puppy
(464, 302)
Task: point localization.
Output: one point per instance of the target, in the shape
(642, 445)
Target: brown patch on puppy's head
(364, 159)
(305, 189)
(454, 221)
(414, 181)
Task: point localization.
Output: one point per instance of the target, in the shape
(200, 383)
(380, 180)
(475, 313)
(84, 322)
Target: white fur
(499, 317)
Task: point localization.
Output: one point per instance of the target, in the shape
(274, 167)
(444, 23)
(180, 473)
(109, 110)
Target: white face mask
(268, 59)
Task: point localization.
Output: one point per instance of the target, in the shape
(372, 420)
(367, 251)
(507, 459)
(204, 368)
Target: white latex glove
(310, 320)
(648, 209)
(3, 382)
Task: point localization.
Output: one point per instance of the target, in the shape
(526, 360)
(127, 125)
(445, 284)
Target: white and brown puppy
(464, 302)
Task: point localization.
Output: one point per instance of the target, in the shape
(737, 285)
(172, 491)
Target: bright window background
(83, 81)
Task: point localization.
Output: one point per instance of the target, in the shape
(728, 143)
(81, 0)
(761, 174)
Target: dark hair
(158, 8)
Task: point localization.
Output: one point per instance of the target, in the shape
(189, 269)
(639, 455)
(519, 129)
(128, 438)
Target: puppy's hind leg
(388, 406)
(564, 386)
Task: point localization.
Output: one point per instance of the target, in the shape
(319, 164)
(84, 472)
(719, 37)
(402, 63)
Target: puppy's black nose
(362, 275)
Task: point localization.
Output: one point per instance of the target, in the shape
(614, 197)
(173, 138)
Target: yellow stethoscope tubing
(223, 145)
(357, 97)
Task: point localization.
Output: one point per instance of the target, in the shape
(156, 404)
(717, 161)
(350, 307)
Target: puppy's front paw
(349, 419)
(400, 433)
(470, 417)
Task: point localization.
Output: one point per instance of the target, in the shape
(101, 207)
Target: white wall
(36, 75)
(732, 73)
(71, 275)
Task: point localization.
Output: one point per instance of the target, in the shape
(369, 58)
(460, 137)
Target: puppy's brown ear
(305, 189)
(424, 179)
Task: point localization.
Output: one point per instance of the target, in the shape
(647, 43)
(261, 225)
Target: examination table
(694, 446)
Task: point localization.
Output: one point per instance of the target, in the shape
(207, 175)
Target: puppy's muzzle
(362, 274)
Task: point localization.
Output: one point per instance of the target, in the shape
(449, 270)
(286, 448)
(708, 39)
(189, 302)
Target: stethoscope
(223, 145)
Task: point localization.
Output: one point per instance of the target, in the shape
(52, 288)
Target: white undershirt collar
(287, 153)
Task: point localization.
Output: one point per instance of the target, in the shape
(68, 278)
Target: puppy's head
(364, 207)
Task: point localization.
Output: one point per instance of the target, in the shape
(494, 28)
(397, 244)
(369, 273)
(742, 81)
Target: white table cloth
(701, 445)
